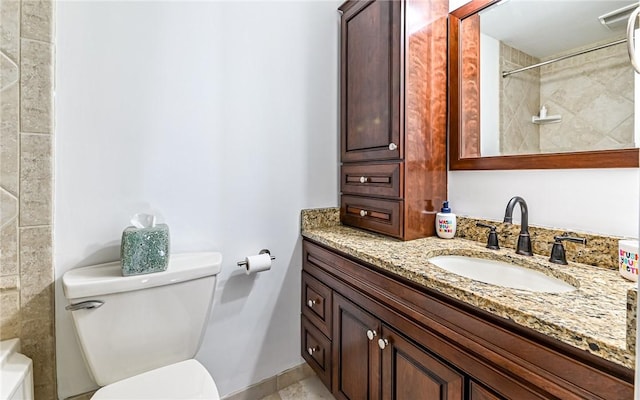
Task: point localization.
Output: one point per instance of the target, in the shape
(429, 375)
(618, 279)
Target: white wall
(490, 95)
(222, 118)
(603, 201)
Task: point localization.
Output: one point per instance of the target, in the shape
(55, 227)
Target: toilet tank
(133, 324)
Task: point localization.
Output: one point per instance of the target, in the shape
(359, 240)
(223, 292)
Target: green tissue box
(144, 250)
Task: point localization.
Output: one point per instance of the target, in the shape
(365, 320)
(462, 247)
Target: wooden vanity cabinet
(393, 115)
(392, 339)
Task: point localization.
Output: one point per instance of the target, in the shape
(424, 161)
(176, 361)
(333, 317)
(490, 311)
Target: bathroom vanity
(380, 322)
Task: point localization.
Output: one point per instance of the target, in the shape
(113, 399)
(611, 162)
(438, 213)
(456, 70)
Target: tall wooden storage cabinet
(393, 115)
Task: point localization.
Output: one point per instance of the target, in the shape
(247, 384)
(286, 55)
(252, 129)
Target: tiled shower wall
(593, 93)
(519, 100)
(26, 180)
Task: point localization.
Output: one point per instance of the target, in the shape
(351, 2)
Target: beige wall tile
(8, 71)
(36, 80)
(9, 137)
(9, 249)
(10, 315)
(10, 28)
(38, 343)
(8, 282)
(36, 270)
(8, 207)
(35, 180)
(26, 101)
(37, 18)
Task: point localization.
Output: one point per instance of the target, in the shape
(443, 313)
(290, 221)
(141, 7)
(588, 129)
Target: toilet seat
(185, 380)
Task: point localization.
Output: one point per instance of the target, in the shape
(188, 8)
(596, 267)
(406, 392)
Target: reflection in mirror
(542, 86)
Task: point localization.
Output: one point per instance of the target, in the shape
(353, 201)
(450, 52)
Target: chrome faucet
(524, 240)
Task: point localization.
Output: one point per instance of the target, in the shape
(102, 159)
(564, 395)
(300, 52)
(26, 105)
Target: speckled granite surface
(593, 317)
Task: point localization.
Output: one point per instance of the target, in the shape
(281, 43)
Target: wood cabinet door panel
(316, 303)
(316, 350)
(383, 216)
(409, 372)
(380, 180)
(356, 359)
(478, 392)
(370, 87)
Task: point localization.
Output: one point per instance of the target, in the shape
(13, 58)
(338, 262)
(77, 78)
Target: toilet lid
(181, 381)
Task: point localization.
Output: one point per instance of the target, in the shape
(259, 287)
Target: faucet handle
(558, 255)
(492, 239)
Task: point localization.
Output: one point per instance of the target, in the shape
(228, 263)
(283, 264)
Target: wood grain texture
(463, 108)
(408, 370)
(370, 79)
(470, 93)
(355, 358)
(417, 104)
(425, 104)
(513, 361)
(320, 359)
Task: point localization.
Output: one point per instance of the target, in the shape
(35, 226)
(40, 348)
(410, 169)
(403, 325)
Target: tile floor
(307, 389)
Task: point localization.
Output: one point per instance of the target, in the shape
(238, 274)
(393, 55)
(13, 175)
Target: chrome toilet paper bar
(263, 251)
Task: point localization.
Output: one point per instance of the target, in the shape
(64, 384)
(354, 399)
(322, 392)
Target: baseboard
(273, 384)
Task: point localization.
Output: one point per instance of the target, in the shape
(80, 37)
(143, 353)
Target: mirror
(541, 84)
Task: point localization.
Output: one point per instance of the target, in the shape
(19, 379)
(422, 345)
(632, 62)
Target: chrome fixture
(558, 255)
(492, 239)
(617, 18)
(524, 240)
(85, 305)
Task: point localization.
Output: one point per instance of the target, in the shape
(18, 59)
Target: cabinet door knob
(363, 213)
(371, 334)
(312, 350)
(311, 303)
(392, 146)
(363, 179)
(382, 343)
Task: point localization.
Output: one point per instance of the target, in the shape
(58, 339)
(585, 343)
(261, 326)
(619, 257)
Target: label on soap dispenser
(445, 225)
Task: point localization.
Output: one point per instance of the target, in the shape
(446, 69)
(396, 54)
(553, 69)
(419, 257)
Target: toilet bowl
(139, 334)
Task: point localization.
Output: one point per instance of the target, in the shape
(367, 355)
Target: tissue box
(144, 250)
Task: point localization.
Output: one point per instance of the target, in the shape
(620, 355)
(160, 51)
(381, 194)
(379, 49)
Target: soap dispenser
(445, 222)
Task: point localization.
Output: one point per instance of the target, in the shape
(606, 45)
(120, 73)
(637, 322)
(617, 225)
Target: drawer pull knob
(363, 213)
(312, 350)
(392, 146)
(382, 343)
(371, 334)
(311, 303)
(364, 179)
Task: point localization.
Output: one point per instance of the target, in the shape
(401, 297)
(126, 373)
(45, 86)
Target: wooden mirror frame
(467, 121)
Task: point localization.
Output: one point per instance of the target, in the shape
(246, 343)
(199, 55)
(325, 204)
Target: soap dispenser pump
(445, 222)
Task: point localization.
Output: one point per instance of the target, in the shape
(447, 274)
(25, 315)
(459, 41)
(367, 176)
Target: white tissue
(258, 263)
(142, 220)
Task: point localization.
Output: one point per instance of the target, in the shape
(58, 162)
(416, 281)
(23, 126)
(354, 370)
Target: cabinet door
(356, 357)
(478, 392)
(370, 81)
(409, 373)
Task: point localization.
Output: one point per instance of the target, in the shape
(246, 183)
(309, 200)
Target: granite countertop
(592, 318)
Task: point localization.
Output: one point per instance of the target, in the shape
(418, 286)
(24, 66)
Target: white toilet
(139, 333)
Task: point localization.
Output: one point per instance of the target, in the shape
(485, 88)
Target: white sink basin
(501, 274)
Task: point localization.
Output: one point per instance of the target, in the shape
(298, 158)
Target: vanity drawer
(316, 303)
(378, 215)
(316, 350)
(380, 180)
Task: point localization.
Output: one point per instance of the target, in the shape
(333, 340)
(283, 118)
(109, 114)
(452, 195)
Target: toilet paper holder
(263, 251)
